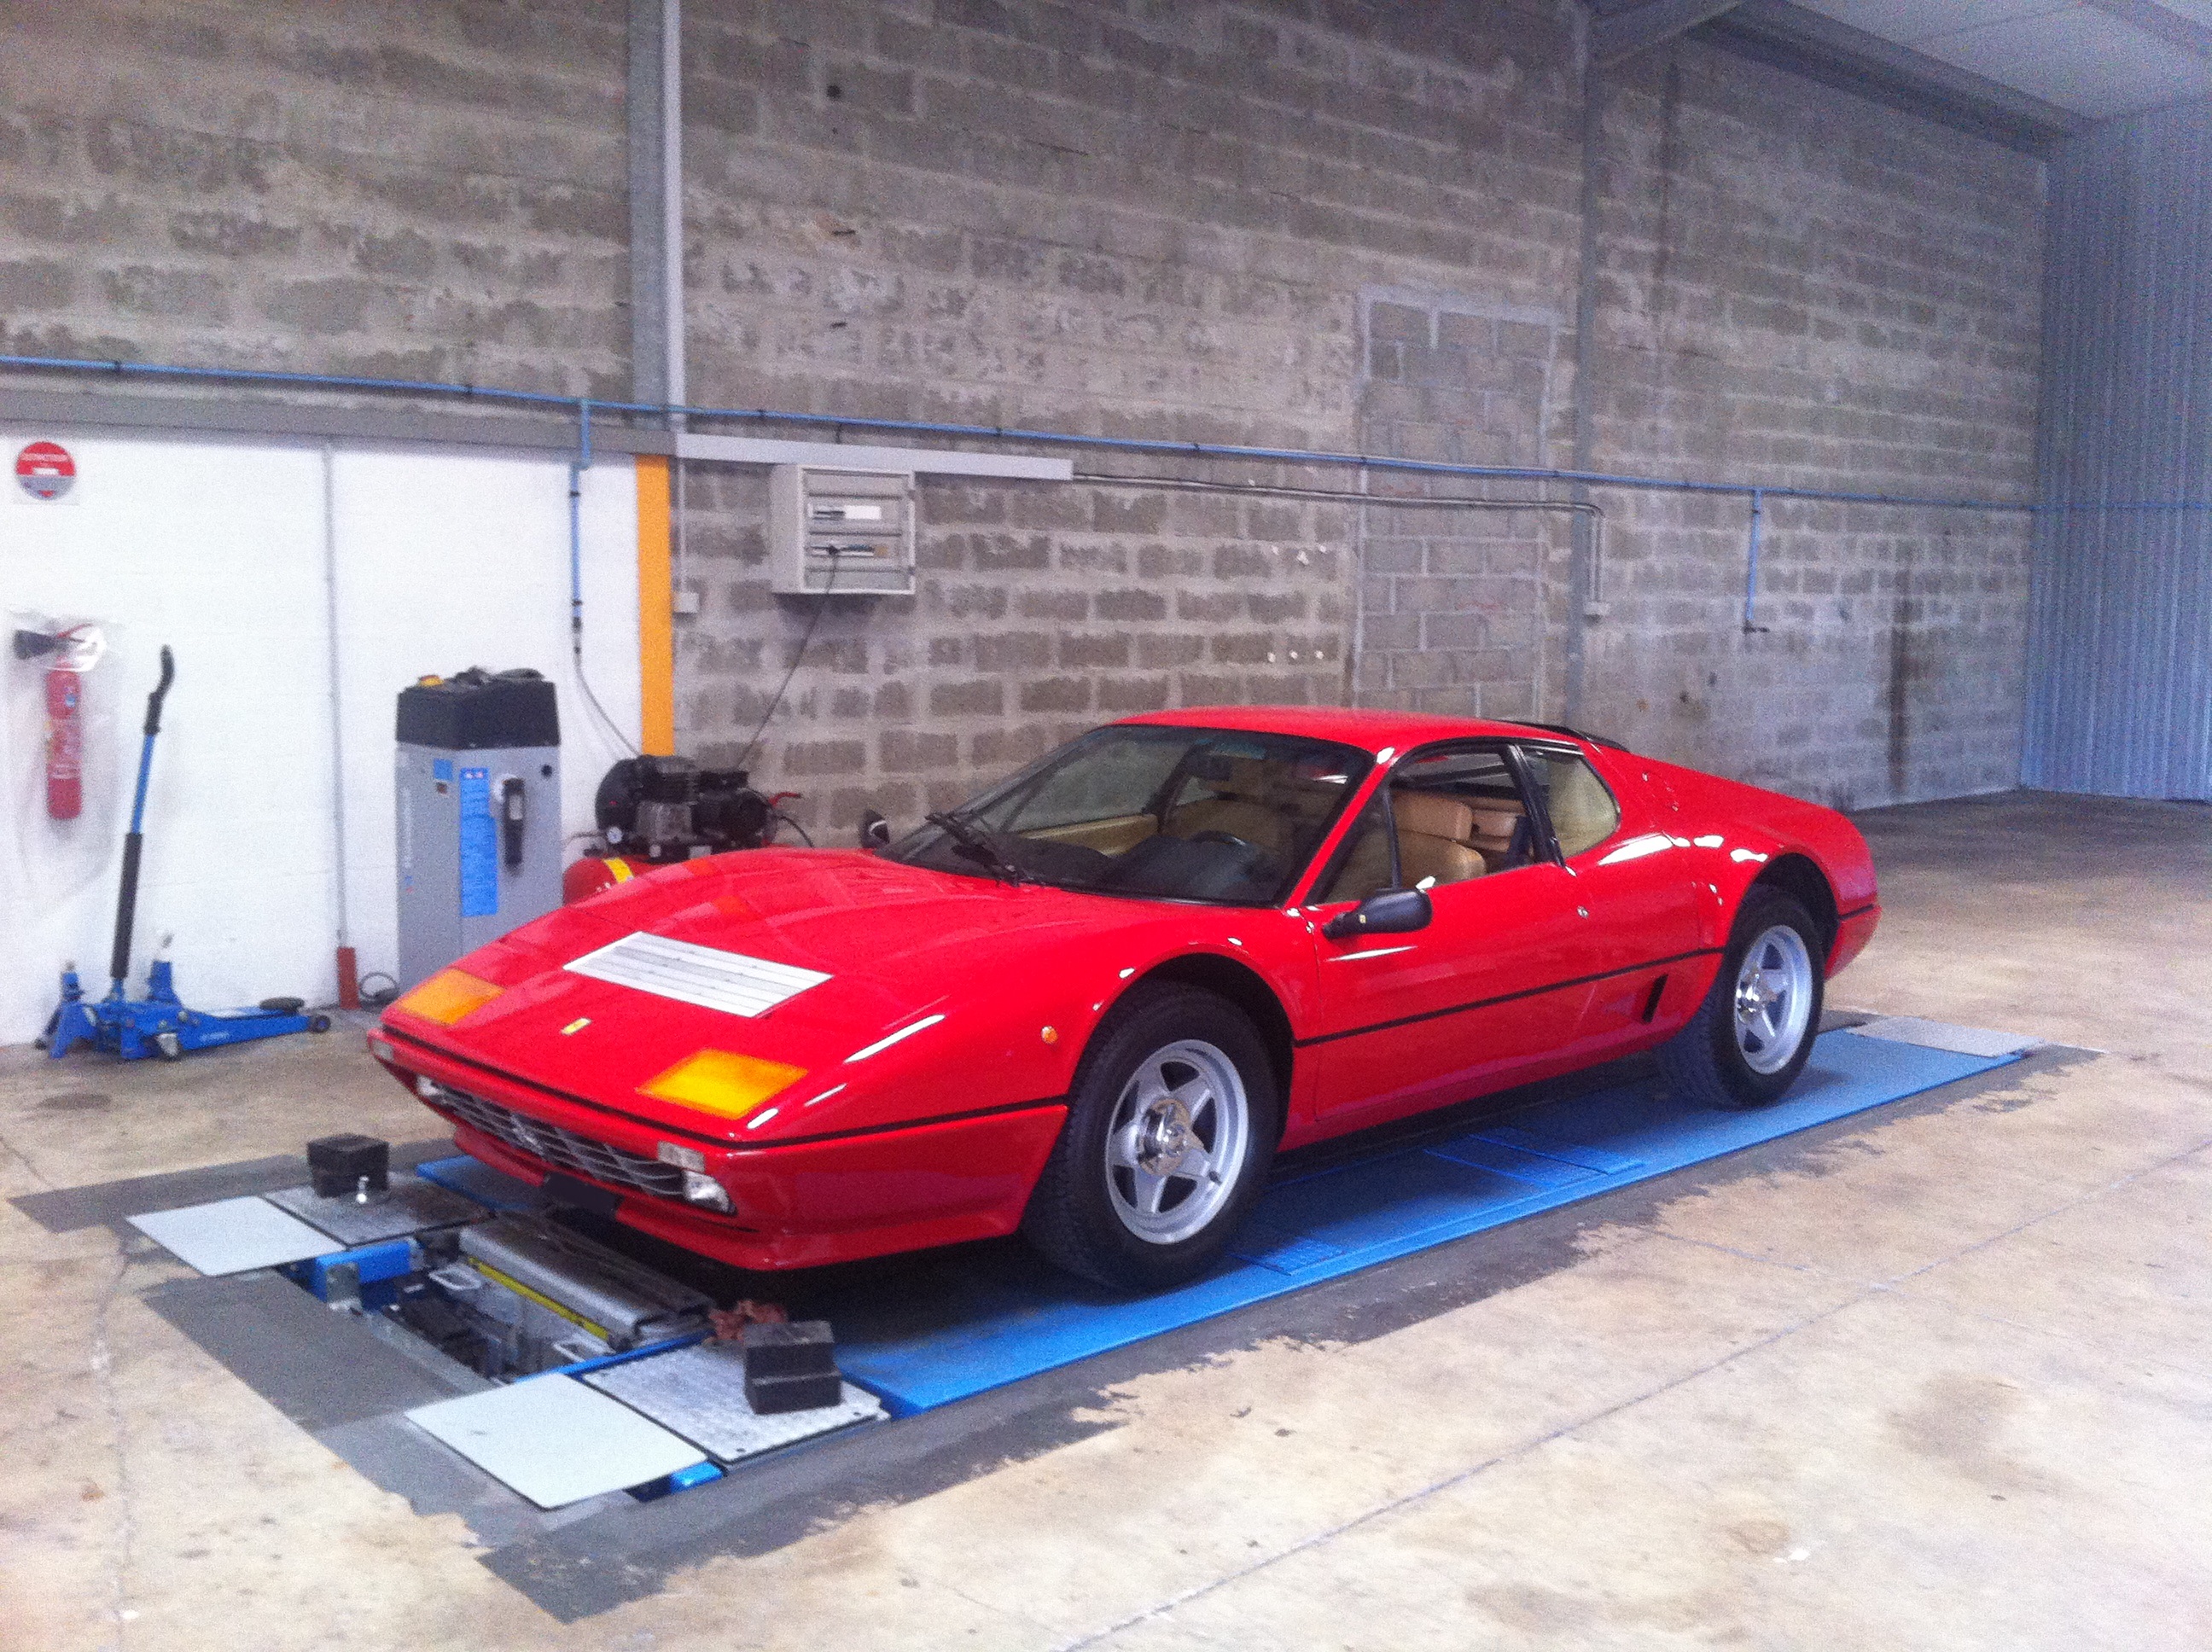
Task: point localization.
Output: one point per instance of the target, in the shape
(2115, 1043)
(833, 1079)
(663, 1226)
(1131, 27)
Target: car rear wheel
(1170, 1131)
(1754, 1033)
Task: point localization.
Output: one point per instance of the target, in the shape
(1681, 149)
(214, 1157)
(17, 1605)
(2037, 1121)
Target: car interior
(1460, 814)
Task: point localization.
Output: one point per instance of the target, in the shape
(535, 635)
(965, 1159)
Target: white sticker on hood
(728, 981)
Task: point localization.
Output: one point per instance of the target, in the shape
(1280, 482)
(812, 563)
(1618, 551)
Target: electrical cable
(805, 640)
(377, 997)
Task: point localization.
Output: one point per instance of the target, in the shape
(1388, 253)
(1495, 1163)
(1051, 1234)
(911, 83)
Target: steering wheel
(1230, 838)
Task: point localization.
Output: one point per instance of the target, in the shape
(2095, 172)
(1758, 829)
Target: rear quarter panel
(1742, 830)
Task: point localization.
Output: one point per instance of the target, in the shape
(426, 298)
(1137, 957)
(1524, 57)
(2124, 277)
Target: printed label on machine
(479, 847)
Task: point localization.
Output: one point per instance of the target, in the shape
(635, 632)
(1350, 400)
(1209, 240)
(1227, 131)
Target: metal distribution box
(479, 813)
(840, 531)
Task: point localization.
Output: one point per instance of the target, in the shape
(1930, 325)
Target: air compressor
(653, 811)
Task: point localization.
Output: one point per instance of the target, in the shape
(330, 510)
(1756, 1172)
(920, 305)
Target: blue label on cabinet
(479, 847)
(442, 769)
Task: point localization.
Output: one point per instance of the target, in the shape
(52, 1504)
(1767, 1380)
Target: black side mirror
(1386, 912)
(875, 831)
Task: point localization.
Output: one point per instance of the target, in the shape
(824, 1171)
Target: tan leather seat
(1435, 835)
(1495, 823)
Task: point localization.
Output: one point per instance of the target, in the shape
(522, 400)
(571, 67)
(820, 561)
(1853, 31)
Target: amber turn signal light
(722, 1081)
(448, 996)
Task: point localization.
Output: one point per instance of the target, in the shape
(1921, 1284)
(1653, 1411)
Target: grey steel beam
(656, 201)
(2158, 22)
(1835, 54)
(1619, 32)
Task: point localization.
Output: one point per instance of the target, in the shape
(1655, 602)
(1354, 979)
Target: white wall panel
(445, 559)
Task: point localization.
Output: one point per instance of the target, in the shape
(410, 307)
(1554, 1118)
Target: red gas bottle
(586, 877)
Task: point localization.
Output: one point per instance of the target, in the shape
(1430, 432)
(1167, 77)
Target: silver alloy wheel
(1773, 998)
(1178, 1139)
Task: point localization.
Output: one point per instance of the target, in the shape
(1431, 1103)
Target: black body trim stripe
(1509, 998)
(716, 1142)
(1857, 912)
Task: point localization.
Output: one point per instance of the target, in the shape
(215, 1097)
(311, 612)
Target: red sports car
(1094, 1002)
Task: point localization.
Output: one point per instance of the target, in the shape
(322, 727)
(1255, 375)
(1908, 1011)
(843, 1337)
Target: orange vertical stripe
(656, 609)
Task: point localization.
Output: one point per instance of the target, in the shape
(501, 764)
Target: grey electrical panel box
(479, 813)
(840, 531)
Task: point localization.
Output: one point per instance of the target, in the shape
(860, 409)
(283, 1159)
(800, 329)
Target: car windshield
(1184, 814)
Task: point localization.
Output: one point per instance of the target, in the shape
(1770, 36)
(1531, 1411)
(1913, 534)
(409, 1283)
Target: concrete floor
(1946, 1382)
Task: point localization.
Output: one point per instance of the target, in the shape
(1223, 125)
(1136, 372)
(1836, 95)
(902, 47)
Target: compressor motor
(655, 812)
(665, 809)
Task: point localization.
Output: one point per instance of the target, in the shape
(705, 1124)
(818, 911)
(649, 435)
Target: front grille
(564, 1150)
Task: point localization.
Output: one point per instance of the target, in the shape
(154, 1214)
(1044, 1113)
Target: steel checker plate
(411, 1206)
(699, 1393)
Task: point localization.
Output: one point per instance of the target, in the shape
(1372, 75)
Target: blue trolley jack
(157, 1024)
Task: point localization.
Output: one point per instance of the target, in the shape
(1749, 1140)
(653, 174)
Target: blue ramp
(971, 1320)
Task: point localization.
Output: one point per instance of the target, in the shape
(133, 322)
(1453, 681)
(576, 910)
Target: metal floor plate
(234, 1235)
(411, 1206)
(700, 1393)
(556, 1441)
(1943, 1035)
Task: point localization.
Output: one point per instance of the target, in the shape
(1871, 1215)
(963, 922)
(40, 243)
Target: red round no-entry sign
(44, 470)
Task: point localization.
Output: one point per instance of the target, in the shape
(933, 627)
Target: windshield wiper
(971, 842)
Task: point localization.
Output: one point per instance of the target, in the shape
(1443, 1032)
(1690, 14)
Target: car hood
(898, 944)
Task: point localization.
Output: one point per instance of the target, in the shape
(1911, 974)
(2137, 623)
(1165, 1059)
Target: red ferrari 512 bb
(1094, 1002)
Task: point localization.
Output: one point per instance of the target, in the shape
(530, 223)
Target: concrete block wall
(1799, 289)
(1137, 219)
(1344, 226)
(369, 187)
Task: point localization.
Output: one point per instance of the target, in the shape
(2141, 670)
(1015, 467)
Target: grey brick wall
(1802, 289)
(370, 187)
(1280, 222)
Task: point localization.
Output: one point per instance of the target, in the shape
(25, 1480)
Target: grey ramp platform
(556, 1441)
(700, 1393)
(1943, 1035)
(410, 1206)
(234, 1235)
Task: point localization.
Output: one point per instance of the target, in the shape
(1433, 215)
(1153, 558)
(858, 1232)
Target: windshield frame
(1360, 762)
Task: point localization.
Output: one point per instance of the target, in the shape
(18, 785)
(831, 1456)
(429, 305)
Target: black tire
(1706, 1063)
(1075, 1218)
(318, 1023)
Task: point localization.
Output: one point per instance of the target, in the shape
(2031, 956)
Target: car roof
(1370, 729)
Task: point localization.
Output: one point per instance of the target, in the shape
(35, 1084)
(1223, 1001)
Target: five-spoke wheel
(1170, 1129)
(1754, 1033)
(1178, 1141)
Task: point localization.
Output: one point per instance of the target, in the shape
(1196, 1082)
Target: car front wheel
(1170, 1132)
(1754, 1033)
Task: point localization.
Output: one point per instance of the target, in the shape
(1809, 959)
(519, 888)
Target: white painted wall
(444, 558)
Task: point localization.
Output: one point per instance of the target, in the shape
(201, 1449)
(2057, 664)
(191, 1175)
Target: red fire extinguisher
(65, 743)
(75, 651)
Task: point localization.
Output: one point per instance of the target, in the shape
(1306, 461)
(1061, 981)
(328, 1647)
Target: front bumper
(802, 1203)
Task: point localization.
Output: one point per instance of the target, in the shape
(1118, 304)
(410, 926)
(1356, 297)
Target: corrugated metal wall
(2120, 648)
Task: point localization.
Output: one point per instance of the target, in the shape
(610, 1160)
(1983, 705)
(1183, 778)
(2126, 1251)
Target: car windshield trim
(1200, 815)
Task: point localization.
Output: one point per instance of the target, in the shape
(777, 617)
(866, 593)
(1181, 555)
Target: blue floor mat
(988, 1315)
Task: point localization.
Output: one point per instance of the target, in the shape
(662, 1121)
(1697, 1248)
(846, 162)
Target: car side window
(1582, 811)
(1459, 814)
(1363, 865)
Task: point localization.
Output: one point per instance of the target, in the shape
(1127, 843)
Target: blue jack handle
(126, 899)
